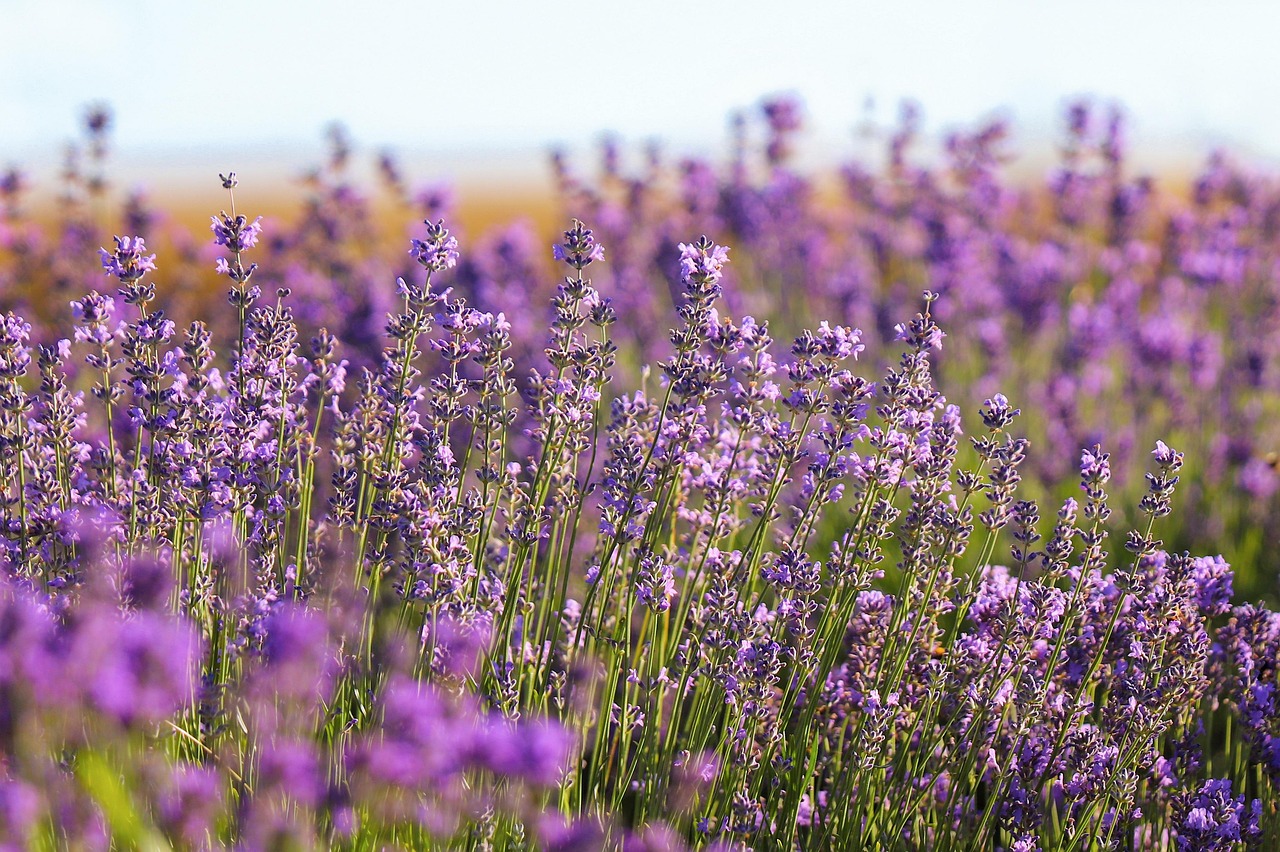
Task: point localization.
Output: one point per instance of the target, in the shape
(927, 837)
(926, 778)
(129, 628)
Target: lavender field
(937, 511)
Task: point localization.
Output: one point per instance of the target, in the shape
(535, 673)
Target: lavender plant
(275, 587)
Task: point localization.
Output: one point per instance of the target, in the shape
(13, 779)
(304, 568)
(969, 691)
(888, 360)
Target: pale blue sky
(228, 77)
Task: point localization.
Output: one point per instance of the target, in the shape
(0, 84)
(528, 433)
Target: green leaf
(130, 829)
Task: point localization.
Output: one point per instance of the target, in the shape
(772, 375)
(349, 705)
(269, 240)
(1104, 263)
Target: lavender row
(446, 586)
(1125, 310)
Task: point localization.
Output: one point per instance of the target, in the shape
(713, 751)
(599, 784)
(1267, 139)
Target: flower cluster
(408, 566)
(128, 262)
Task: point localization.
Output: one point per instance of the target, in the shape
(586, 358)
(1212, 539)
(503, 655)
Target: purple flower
(922, 332)
(190, 804)
(1212, 577)
(20, 807)
(438, 251)
(1166, 456)
(703, 261)
(145, 583)
(579, 248)
(424, 741)
(292, 769)
(586, 834)
(998, 413)
(839, 341)
(128, 262)
(534, 752)
(783, 113)
(655, 583)
(458, 648)
(15, 351)
(1258, 479)
(94, 312)
(792, 570)
(1213, 820)
(1095, 466)
(297, 654)
(237, 233)
(97, 119)
(138, 671)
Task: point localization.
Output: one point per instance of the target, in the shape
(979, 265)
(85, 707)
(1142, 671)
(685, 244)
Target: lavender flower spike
(1095, 465)
(438, 251)
(235, 232)
(703, 261)
(1167, 456)
(129, 261)
(579, 248)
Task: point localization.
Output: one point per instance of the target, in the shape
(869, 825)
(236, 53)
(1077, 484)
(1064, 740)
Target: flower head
(702, 261)
(128, 262)
(1213, 819)
(438, 251)
(236, 232)
(579, 248)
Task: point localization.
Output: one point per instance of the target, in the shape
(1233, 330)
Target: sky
(193, 82)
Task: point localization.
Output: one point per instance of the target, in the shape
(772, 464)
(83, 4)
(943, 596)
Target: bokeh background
(476, 92)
